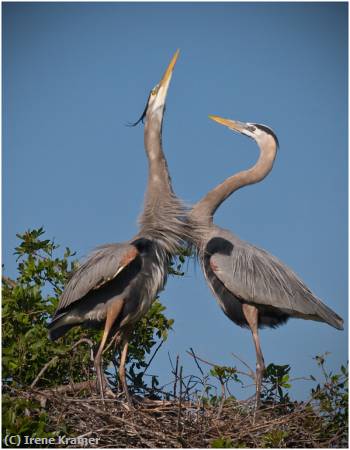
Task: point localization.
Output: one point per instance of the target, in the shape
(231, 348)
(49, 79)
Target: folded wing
(257, 277)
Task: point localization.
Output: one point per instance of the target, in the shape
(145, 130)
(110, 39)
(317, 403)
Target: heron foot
(128, 398)
(109, 393)
(102, 386)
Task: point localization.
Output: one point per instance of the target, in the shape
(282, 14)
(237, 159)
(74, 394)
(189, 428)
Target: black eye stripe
(268, 131)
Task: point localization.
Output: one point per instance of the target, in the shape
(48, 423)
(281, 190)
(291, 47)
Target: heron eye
(251, 128)
(154, 90)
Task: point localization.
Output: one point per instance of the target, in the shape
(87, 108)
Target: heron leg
(112, 313)
(251, 314)
(122, 374)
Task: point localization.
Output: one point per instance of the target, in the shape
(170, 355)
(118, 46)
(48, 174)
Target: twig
(195, 359)
(42, 395)
(201, 359)
(43, 370)
(223, 397)
(85, 341)
(69, 387)
(175, 373)
(55, 358)
(180, 401)
(152, 357)
(218, 365)
(252, 373)
(171, 362)
(89, 433)
(115, 339)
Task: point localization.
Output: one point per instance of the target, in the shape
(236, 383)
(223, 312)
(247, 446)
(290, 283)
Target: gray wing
(101, 266)
(257, 277)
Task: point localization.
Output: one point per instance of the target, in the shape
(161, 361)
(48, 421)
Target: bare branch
(196, 361)
(152, 357)
(43, 370)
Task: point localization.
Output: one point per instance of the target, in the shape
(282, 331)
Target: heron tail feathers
(60, 325)
(327, 315)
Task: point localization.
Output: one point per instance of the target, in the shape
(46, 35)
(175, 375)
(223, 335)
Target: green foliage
(225, 374)
(150, 329)
(333, 397)
(274, 439)
(222, 443)
(175, 267)
(29, 302)
(24, 417)
(275, 382)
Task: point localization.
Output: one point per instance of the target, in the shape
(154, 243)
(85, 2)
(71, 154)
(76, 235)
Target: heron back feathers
(257, 277)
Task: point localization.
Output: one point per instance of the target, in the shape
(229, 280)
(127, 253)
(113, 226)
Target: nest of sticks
(77, 411)
(182, 417)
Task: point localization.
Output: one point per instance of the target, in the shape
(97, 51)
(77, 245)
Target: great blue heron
(253, 288)
(116, 284)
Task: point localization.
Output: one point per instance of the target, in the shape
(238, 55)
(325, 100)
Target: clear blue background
(75, 74)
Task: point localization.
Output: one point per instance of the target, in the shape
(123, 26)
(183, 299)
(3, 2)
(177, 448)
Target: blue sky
(75, 73)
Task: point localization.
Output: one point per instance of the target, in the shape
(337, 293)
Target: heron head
(156, 101)
(255, 131)
(157, 97)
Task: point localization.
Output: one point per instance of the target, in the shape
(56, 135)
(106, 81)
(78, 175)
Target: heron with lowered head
(253, 288)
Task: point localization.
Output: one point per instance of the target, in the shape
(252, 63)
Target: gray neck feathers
(166, 223)
(202, 213)
(158, 173)
(164, 216)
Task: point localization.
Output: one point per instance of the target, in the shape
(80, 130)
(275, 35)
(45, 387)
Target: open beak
(232, 124)
(164, 83)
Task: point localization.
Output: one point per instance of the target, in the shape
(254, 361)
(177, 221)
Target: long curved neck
(159, 181)
(204, 210)
(163, 216)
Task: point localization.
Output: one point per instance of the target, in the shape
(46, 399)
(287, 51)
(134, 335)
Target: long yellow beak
(232, 124)
(169, 71)
(161, 90)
